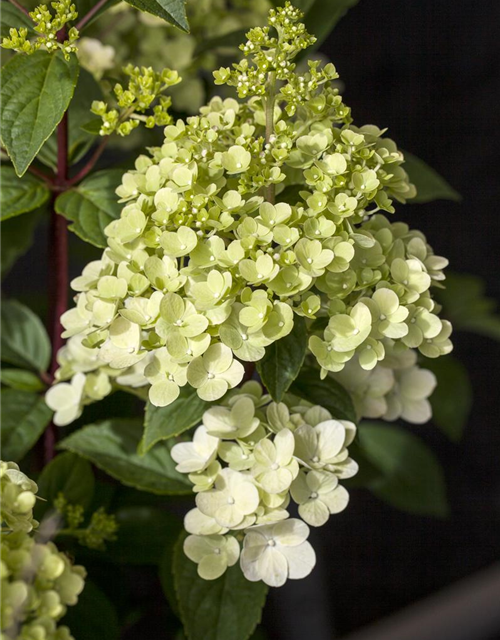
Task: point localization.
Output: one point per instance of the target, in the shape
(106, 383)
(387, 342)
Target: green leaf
(232, 40)
(92, 205)
(327, 393)
(228, 608)
(430, 185)
(12, 18)
(79, 140)
(36, 91)
(24, 341)
(411, 477)
(142, 535)
(84, 6)
(67, 474)
(21, 380)
(162, 423)
(20, 195)
(17, 238)
(283, 360)
(165, 569)
(465, 304)
(452, 399)
(93, 617)
(24, 418)
(173, 11)
(112, 446)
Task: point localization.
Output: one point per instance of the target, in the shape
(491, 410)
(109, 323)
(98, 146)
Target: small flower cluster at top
(46, 26)
(249, 215)
(144, 87)
(248, 458)
(143, 37)
(38, 581)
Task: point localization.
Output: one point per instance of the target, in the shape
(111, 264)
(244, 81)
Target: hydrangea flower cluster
(38, 581)
(46, 26)
(247, 460)
(250, 214)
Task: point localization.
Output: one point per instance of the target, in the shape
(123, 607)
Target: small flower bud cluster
(144, 87)
(101, 528)
(229, 232)
(46, 25)
(248, 459)
(18, 498)
(38, 581)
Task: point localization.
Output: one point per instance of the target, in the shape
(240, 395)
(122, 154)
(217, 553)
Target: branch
(89, 165)
(40, 174)
(20, 7)
(86, 18)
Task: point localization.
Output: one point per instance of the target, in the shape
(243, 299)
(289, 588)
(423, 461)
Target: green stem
(269, 191)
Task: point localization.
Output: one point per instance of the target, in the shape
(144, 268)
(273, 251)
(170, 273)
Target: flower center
(271, 543)
(315, 459)
(210, 376)
(275, 466)
(230, 500)
(217, 552)
(313, 495)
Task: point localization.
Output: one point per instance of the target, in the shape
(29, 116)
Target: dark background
(429, 71)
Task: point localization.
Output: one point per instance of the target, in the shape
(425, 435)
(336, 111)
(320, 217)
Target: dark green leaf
(322, 16)
(83, 7)
(328, 393)
(25, 342)
(411, 477)
(173, 11)
(92, 126)
(36, 91)
(67, 474)
(24, 418)
(166, 570)
(21, 380)
(142, 534)
(93, 617)
(12, 18)
(20, 195)
(112, 446)
(283, 360)
(79, 140)
(430, 185)
(92, 205)
(228, 608)
(465, 304)
(162, 423)
(452, 399)
(17, 238)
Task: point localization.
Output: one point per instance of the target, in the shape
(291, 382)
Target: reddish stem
(20, 7)
(58, 266)
(89, 165)
(88, 16)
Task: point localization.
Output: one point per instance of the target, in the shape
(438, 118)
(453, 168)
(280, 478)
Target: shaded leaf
(17, 238)
(430, 185)
(70, 475)
(18, 195)
(327, 393)
(93, 617)
(24, 342)
(452, 399)
(411, 477)
(36, 91)
(21, 380)
(162, 423)
(173, 11)
(232, 40)
(283, 360)
(321, 17)
(142, 534)
(228, 608)
(112, 446)
(92, 205)
(24, 418)
(466, 305)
